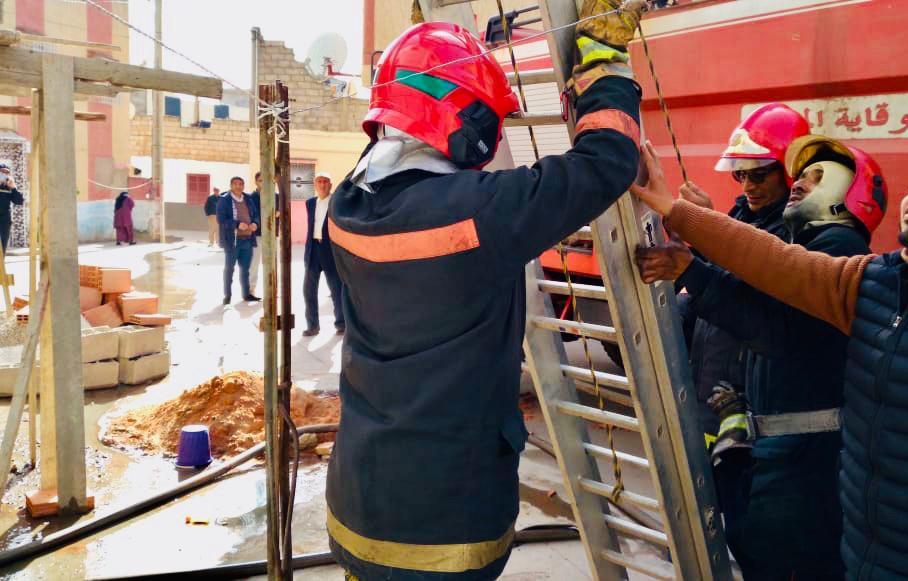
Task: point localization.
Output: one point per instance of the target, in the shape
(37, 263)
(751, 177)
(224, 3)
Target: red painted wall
(708, 75)
(100, 133)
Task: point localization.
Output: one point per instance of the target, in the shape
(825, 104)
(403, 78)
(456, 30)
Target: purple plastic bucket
(195, 447)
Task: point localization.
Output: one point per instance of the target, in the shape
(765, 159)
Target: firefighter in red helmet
(422, 483)
(777, 454)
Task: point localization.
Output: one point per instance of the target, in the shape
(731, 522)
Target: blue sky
(216, 33)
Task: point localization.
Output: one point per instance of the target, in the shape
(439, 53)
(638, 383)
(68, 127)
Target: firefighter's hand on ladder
(655, 193)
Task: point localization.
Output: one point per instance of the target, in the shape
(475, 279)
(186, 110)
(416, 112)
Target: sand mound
(231, 405)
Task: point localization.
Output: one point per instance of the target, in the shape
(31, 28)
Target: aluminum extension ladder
(657, 387)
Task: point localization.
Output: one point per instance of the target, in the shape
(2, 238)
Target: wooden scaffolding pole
(62, 396)
(34, 209)
(273, 420)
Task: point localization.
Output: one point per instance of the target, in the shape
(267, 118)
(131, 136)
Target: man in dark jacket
(211, 210)
(318, 258)
(783, 517)
(422, 483)
(238, 220)
(8, 195)
(754, 159)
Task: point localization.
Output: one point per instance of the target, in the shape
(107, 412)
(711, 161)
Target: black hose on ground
(533, 534)
(79, 530)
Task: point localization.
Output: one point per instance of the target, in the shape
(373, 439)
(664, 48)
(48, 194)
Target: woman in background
(123, 218)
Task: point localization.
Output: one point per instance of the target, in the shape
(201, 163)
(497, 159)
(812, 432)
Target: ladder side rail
(678, 396)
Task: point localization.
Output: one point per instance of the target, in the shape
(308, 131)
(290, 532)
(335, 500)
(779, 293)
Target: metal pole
(287, 439)
(272, 414)
(157, 128)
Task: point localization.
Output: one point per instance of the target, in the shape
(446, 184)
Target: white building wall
(175, 171)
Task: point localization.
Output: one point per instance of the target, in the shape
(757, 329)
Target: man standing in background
(238, 220)
(8, 195)
(318, 258)
(211, 210)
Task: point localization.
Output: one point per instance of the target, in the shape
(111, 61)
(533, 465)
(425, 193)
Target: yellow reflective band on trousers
(710, 439)
(733, 422)
(591, 51)
(455, 558)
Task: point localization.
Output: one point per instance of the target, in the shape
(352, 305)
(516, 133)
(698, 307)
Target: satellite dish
(327, 54)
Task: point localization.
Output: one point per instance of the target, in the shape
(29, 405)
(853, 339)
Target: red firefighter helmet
(458, 109)
(867, 196)
(762, 138)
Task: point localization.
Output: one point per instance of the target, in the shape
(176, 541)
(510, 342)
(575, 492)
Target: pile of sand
(231, 405)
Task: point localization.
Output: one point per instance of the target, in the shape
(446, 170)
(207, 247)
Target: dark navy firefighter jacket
(424, 471)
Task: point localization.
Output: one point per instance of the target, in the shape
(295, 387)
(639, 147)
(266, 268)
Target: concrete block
(100, 343)
(147, 368)
(138, 341)
(100, 374)
(8, 374)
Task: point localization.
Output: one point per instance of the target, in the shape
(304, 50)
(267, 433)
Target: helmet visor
(742, 163)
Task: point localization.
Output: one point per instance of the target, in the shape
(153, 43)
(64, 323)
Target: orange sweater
(816, 283)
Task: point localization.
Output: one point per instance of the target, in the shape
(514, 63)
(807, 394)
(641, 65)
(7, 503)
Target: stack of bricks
(143, 355)
(107, 299)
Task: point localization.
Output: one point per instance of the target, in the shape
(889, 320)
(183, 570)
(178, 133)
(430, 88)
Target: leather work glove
(602, 41)
(735, 433)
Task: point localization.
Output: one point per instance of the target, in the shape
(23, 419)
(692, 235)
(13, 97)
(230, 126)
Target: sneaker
(310, 332)
(226, 300)
(340, 330)
(251, 298)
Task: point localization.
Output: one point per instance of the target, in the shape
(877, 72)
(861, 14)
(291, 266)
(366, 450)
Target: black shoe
(251, 298)
(311, 332)
(226, 300)
(119, 244)
(340, 330)
(132, 243)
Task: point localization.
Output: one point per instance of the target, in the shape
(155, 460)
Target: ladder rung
(623, 457)
(590, 330)
(636, 565)
(631, 528)
(585, 233)
(534, 120)
(533, 77)
(606, 490)
(606, 379)
(588, 291)
(605, 393)
(597, 415)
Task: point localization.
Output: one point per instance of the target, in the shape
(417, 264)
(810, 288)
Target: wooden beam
(66, 41)
(26, 61)
(10, 37)
(20, 84)
(62, 397)
(26, 110)
(34, 195)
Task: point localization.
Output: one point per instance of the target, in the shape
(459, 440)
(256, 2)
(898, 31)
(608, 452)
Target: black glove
(735, 432)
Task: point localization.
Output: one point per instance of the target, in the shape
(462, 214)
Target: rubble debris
(231, 405)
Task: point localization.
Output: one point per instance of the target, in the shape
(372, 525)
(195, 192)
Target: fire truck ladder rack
(657, 387)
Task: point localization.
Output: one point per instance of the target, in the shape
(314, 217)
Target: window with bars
(197, 187)
(302, 183)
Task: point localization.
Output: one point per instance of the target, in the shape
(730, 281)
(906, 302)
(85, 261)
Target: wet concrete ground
(207, 338)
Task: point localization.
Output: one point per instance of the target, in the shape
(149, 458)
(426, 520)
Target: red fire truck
(839, 62)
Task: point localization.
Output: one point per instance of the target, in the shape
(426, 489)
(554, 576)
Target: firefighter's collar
(396, 152)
